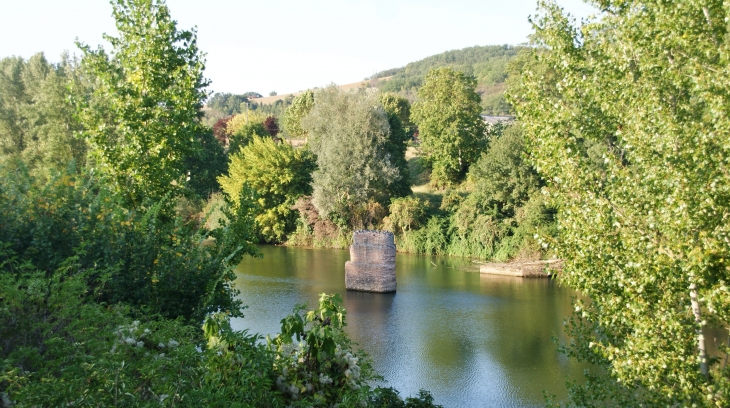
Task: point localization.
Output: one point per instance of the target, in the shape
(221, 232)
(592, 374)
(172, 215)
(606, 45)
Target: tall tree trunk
(700, 337)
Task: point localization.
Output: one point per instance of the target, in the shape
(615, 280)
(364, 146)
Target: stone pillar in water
(371, 267)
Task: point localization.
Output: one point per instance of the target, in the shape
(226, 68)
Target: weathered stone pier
(371, 267)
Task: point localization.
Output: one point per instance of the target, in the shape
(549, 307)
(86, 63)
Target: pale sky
(287, 45)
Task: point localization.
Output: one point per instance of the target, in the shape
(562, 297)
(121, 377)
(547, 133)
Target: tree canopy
(644, 232)
(142, 119)
(450, 127)
(278, 174)
(348, 132)
(36, 114)
(299, 108)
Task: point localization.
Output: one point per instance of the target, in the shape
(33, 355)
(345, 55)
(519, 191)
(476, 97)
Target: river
(472, 340)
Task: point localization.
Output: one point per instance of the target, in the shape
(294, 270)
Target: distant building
(493, 120)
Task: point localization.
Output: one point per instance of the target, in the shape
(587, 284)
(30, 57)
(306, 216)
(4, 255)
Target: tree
(226, 103)
(142, 120)
(206, 165)
(348, 132)
(242, 129)
(502, 176)
(279, 174)
(451, 129)
(644, 235)
(300, 107)
(398, 109)
(36, 116)
(272, 126)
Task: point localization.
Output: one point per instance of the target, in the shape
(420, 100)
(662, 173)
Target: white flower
(172, 343)
(140, 344)
(161, 345)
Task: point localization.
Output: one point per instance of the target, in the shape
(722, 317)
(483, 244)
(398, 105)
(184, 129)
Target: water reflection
(471, 339)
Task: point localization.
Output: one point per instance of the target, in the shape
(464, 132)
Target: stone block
(372, 262)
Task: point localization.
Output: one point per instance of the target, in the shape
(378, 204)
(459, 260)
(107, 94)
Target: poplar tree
(644, 231)
(142, 121)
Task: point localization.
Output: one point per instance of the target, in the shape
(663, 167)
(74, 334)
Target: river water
(472, 340)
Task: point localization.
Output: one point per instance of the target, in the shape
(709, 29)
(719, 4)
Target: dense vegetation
(627, 118)
(116, 244)
(487, 64)
(108, 268)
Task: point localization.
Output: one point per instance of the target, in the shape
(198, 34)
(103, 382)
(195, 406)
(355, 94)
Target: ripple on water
(471, 341)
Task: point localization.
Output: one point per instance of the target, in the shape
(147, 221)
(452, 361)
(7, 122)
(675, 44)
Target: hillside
(374, 82)
(487, 63)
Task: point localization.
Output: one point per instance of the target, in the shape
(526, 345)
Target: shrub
(278, 174)
(405, 214)
(150, 258)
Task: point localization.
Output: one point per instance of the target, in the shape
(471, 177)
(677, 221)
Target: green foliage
(300, 107)
(59, 349)
(488, 64)
(149, 260)
(399, 106)
(498, 219)
(432, 239)
(405, 214)
(36, 116)
(226, 103)
(206, 165)
(502, 176)
(348, 133)
(142, 120)
(320, 368)
(279, 174)
(401, 129)
(451, 130)
(243, 128)
(388, 398)
(644, 233)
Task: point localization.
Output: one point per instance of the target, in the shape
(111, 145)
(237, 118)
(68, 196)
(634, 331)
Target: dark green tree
(208, 162)
(36, 116)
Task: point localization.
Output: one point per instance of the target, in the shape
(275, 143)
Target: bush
(278, 174)
(405, 214)
(150, 258)
(320, 368)
(502, 177)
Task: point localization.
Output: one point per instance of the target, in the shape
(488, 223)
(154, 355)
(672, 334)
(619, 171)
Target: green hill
(488, 64)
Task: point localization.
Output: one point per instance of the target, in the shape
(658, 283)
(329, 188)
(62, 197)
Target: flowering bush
(320, 367)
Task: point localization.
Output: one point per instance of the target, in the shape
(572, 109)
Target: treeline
(224, 105)
(108, 267)
(488, 64)
(476, 195)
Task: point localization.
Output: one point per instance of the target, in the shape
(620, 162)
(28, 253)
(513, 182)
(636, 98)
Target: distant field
(268, 100)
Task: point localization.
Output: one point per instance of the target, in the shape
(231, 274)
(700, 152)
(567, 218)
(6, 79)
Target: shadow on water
(472, 340)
